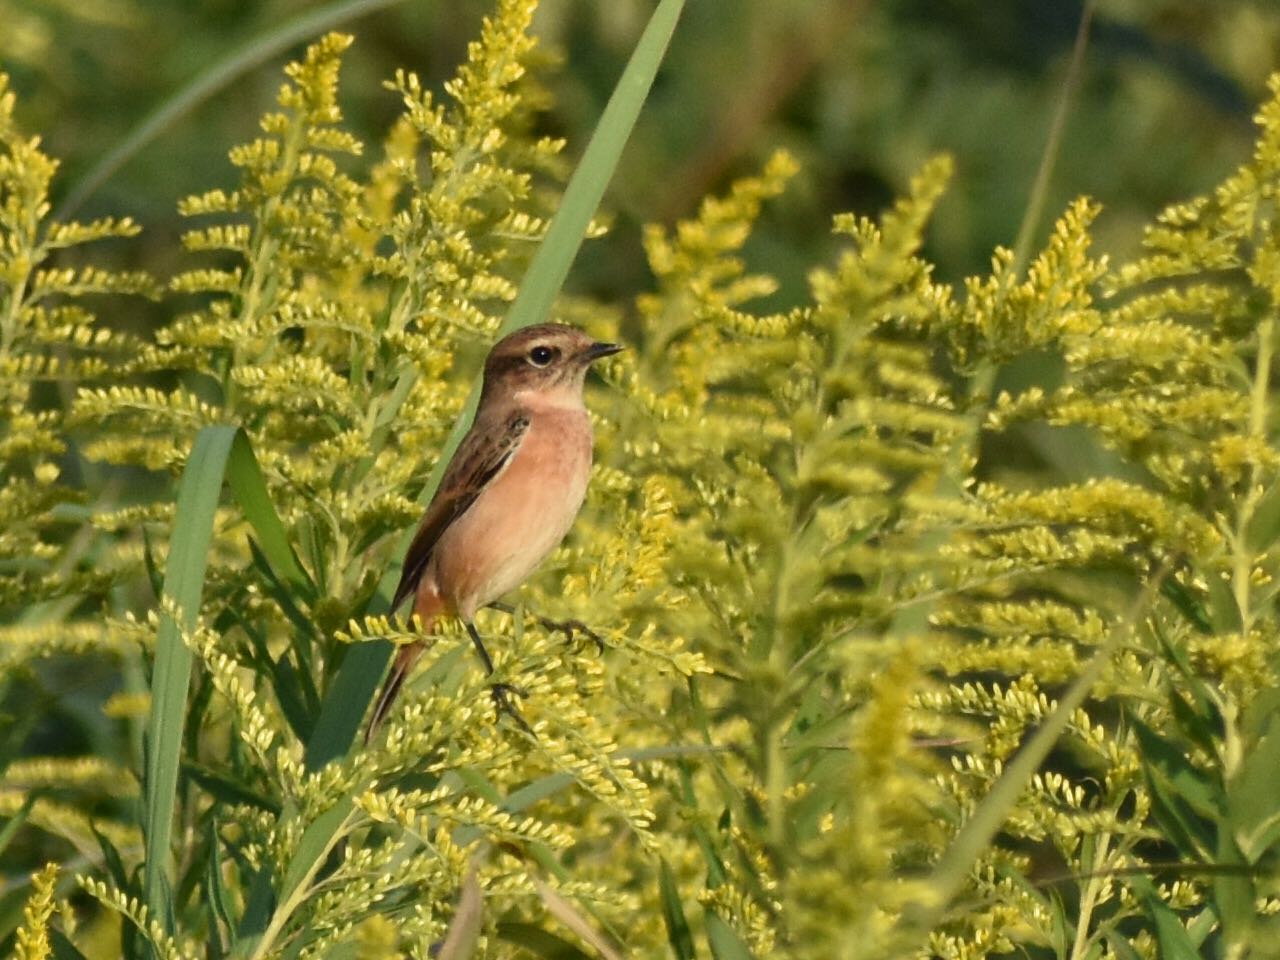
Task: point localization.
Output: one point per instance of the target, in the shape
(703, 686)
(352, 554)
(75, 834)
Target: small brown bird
(510, 493)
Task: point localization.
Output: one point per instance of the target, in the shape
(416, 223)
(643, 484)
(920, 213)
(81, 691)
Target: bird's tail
(406, 657)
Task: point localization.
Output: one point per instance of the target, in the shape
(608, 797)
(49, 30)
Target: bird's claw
(572, 627)
(503, 702)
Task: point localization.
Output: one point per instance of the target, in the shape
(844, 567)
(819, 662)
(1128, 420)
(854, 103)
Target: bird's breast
(521, 516)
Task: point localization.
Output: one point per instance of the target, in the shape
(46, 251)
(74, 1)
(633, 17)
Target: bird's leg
(567, 627)
(502, 693)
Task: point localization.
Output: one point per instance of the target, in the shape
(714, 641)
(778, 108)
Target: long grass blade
(220, 453)
(1034, 213)
(209, 82)
(358, 678)
(198, 494)
(981, 828)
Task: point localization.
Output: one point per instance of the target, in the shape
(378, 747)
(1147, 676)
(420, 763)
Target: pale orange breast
(520, 517)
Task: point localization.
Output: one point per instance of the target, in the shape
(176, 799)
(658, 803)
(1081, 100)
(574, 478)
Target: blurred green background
(861, 91)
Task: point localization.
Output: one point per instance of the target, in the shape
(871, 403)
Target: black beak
(598, 350)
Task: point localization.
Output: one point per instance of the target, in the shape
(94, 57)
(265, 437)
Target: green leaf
(198, 493)
(1233, 891)
(207, 83)
(17, 820)
(1184, 801)
(219, 452)
(1170, 761)
(1224, 614)
(281, 593)
(1253, 798)
(268, 913)
(678, 932)
(1204, 703)
(347, 699)
(63, 949)
(1119, 943)
(215, 893)
(1188, 604)
(1263, 528)
(724, 940)
(1174, 941)
(114, 863)
(224, 788)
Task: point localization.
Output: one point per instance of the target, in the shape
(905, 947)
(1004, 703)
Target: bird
(509, 495)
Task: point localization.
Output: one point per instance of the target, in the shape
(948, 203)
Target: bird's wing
(485, 450)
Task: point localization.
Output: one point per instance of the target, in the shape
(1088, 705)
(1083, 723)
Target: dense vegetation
(938, 616)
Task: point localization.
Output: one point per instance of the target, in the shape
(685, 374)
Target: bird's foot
(570, 629)
(503, 702)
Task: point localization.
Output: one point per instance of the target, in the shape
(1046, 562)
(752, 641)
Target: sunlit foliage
(830, 618)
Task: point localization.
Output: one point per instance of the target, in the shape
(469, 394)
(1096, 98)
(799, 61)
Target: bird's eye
(541, 356)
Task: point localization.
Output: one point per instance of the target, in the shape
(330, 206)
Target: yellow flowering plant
(866, 691)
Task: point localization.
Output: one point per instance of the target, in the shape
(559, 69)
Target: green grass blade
(724, 940)
(976, 835)
(198, 495)
(1053, 146)
(220, 453)
(358, 678)
(15, 823)
(582, 197)
(247, 483)
(678, 933)
(269, 911)
(209, 82)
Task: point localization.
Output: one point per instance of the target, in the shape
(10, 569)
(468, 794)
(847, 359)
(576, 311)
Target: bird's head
(545, 364)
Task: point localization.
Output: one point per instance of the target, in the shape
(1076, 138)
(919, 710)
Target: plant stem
(1242, 558)
(1088, 899)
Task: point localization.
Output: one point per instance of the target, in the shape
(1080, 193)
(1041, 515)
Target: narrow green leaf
(229, 791)
(1119, 943)
(280, 592)
(1188, 605)
(269, 910)
(198, 494)
(1171, 763)
(208, 82)
(1175, 943)
(216, 894)
(981, 828)
(346, 701)
(16, 821)
(154, 576)
(245, 478)
(678, 932)
(63, 949)
(724, 940)
(1224, 614)
(1183, 801)
(1253, 799)
(112, 860)
(358, 679)
(1204, 703)
(1263, 528)
(220, 452)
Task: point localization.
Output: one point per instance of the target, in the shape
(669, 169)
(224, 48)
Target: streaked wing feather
(480, 457)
